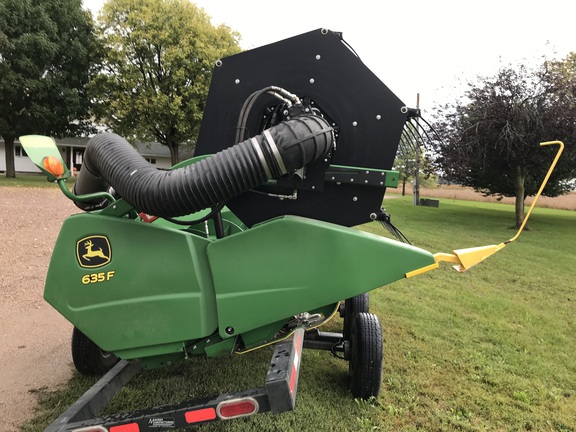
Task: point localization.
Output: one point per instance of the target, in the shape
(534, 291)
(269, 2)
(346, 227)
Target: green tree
(159, 56)
(405, 163)
(411, 158)
(490, 141)
(46, 53)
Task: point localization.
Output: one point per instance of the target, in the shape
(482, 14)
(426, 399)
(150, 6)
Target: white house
(72, 150)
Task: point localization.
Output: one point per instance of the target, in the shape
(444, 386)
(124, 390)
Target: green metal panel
(291, 265)
(130, 285)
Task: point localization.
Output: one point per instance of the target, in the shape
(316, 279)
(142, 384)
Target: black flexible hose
(110, 160)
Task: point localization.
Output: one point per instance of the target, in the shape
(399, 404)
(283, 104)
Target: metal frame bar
(277, 395)
(97, 397)
(326, 341)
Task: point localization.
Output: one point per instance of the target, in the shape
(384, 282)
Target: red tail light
(91, 429)
(237, 408)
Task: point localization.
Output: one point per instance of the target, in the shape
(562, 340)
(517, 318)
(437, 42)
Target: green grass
(492, 349)
(29, 180)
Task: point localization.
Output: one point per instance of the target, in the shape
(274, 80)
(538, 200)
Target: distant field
(564, 202)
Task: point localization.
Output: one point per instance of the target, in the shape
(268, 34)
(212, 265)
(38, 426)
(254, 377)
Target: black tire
(366, 356)
(88, 358)
(353, 306)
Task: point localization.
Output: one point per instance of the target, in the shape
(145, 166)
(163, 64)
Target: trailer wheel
(89, 358)
(366, 356)
(353, 306)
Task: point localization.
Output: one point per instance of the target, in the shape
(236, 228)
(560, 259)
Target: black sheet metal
(320, 66)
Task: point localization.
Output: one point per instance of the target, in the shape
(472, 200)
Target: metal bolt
(311, 80)
(313, 187)
(367, 172)
(365, 181)
(333, 178)
(229, 330)
(354, 123)
(318, 56)
(236, 81)
(207, 341)
(218, 63)
(351, 180)
(378, 117)
(381, 183)
(373, 216)
(355, 199)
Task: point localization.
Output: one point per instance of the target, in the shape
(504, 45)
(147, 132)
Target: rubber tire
(366, 356)
(88, 358)
(352, 306)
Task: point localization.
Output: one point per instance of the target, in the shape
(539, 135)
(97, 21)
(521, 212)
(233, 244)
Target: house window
(78, 156)
(151, 160)
(19, 151)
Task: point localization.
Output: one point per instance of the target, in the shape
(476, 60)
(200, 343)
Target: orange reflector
(200, 415)
(296, 364)
(293, 378)
(53, 165)
(237, 408)
(130, 427)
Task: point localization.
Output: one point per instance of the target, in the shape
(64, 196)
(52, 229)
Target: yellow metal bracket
(466, 258)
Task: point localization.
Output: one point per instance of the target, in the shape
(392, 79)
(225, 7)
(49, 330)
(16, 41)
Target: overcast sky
(415, 46)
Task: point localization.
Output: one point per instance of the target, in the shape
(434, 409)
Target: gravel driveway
(34, 338)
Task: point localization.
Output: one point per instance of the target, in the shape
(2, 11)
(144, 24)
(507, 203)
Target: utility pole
(416, 182)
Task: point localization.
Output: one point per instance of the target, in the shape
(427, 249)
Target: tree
(46, 53)
(490, 141)
(411, 158)
(157, 67)
(405, 163)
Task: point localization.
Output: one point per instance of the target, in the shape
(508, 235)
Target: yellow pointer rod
(466, 258)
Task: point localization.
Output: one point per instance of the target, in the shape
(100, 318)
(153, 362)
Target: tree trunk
(9, 150)
(404, 187)
(519, 202)
(416, 189)
(174, 157)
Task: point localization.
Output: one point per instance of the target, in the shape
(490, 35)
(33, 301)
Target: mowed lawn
(491, 349)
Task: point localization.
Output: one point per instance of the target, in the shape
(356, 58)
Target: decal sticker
(93, 251)
(97, 277)
(162, 422)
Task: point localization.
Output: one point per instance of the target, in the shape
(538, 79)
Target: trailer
(250, 243)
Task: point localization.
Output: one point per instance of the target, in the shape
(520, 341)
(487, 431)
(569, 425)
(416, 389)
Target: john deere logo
(93, 251)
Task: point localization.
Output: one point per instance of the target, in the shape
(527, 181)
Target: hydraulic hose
(110, 160)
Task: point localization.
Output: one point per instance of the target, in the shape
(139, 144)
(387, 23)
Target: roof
(147, 149)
